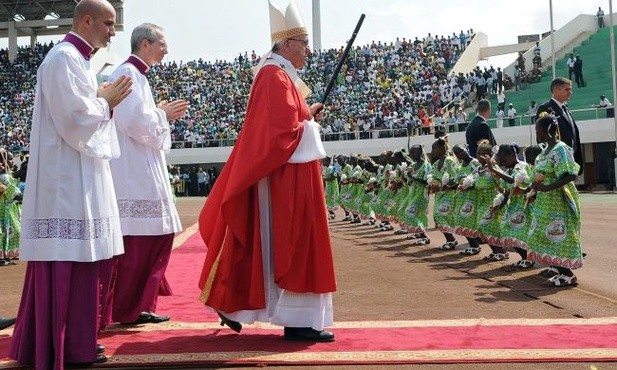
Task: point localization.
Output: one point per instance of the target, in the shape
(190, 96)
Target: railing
(577, 114)
(519, 120)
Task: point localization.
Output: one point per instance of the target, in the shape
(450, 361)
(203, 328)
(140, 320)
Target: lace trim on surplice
(139, 208)
(63, 228)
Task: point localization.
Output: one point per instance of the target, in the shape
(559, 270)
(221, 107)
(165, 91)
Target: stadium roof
(35, 10)
(43, 17)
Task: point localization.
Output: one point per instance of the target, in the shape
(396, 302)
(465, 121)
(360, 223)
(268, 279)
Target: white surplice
(69, 210)
(140, 175)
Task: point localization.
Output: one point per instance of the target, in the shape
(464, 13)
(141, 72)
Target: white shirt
(570, 62)
(605, 103)
(140, 174)
(69, 211)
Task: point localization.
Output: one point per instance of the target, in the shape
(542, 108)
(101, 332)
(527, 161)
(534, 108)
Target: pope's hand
(317, 111)
(116, 91)
(175, 109)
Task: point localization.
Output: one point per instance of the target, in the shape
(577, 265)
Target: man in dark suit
(478, 129)
(578, 72)
(561, 89)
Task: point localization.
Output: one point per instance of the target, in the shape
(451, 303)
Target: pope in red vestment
(232, 278)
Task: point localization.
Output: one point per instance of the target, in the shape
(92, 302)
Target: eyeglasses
(162, 43)
(305, 42)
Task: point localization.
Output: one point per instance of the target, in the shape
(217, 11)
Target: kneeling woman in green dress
(554, 235)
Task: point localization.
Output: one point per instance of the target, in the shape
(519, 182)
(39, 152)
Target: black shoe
(233, 325)
(100, 359)
(308, 335)
(148, 318)
(100, 348)
(156, 319)
(6, 322)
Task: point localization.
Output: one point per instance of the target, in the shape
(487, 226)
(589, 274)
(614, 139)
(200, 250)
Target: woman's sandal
(448, 246)
(562, 280)
(471, 251)
(422, 241)
(549, 272)
(524, 264)
(497, 257)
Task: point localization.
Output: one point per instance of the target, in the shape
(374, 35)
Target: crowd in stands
(383, 89)
(382, 86)
(17, 95)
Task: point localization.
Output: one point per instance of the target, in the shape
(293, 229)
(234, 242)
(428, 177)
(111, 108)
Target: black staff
(340, 63)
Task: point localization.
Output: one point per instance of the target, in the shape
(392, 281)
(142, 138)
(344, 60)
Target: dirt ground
(382, 277)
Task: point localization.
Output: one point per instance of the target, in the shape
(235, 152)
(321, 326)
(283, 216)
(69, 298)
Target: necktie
(567, 115)
(570, 120)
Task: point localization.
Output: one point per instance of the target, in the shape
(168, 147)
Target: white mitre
(284, 26)
(288, 25)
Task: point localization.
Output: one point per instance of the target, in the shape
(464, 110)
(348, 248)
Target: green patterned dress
(366, 210)
(384, 193)
(465, 203)
(554, 234)
(374, 200)
(515, 218)
(443, 210)
(415, 211)
(373, 205)
(384, 200)
(489, 222)
(357, 189)
(332, 192)
(399, 197)
(10, 224)
(345, 190)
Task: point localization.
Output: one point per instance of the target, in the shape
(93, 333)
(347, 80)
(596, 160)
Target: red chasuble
(232, 278)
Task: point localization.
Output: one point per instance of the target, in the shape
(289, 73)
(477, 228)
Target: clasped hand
(539, 186)
(116, 91)
(175, 109)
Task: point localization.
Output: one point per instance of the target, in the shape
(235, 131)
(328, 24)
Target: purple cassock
(141, 269)
(48, 335)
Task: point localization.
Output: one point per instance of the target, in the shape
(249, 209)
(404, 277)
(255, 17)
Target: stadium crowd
(383, 90)
(17, 95)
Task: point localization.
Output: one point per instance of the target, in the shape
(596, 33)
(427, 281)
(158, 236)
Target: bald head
(90, 8)
(94, 20)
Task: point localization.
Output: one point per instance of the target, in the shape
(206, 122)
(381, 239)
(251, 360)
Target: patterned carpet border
(375, 357)
(350, 358)
(175, 325)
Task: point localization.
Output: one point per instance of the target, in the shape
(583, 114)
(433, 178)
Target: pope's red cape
(232, 278)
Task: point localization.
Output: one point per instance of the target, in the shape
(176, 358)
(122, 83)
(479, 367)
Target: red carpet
(195, 338)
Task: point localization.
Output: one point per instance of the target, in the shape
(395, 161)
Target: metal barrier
(520, 120)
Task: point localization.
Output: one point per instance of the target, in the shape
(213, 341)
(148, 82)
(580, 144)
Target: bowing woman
(554, 235)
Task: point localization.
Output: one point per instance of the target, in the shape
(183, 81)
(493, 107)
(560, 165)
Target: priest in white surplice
(147, 212)
(70, 220)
